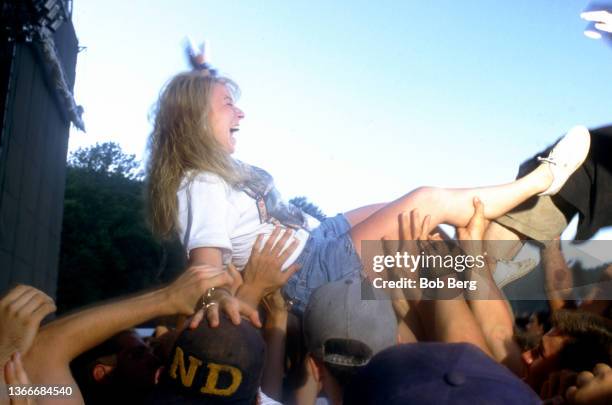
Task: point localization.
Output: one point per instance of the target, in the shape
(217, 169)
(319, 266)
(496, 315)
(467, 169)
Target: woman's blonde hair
(182, 144)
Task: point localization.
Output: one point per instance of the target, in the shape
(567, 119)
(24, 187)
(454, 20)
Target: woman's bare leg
(450, 206)
(360, 214)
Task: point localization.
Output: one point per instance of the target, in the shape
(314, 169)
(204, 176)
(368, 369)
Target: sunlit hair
(182, 144)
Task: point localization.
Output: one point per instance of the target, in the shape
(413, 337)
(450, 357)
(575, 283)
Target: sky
(355, 102)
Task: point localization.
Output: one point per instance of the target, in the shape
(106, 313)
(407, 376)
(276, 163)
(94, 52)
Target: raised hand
(262, 274)
(592, 388)
(471, 237)
(16, 376)
(186, 296)
(21, 311)
(185, 292)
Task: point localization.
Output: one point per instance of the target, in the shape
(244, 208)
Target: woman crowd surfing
(221, 207)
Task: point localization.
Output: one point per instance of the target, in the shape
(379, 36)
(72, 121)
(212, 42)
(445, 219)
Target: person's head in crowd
(222, 365)
(578, 341)
(521, 320)
(194, 131)
(539, 323)
(526, 341)
(436, 373)
(342, 332)
(123, 366)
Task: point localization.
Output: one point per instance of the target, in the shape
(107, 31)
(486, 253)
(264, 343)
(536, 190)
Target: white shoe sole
(580, 140)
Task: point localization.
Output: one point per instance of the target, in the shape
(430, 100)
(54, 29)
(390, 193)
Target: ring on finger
(210, 305)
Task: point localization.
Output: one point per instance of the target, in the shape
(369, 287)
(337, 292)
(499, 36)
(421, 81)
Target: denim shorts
(329, 255)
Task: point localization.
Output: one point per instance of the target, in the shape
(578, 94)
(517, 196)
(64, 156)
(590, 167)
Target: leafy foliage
(106, 158)
(107, 248)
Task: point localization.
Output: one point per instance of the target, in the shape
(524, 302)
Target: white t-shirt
(226, 218)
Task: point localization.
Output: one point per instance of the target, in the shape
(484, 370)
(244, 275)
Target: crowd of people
(278, 307)
(344, 348)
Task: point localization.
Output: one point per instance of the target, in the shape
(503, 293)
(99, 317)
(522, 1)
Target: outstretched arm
(59, 342)
(275, 335)
(489, 306)
(450, 320)
(558, 277)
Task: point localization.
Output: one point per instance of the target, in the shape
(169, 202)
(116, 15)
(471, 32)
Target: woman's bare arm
(206, 255)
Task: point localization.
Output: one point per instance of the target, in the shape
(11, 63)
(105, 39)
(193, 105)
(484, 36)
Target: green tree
(107, 248)
(106, 158)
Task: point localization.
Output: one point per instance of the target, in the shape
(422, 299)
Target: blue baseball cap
(221, 365)
(436, 373)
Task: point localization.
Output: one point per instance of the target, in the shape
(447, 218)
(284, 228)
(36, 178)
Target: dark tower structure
(38, 50)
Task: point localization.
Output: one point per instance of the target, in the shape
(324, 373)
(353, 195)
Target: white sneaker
(567, 156)
(507, 271)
